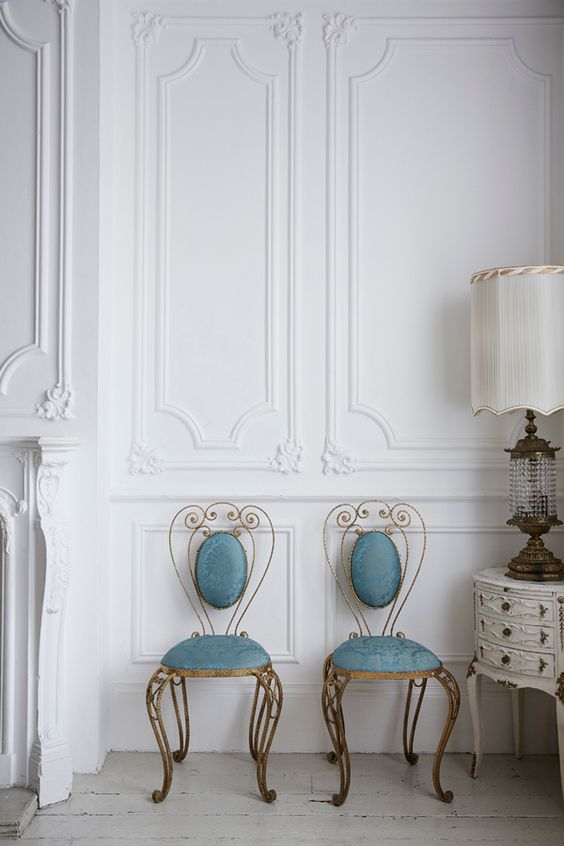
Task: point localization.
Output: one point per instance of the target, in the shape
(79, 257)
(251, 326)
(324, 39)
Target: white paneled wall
(270, 304)
(298, 198)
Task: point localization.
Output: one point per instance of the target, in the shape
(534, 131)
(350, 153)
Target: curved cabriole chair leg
(331, 699)
(158, 683)
(331, 757)
(453, 693)
(183, 728)
(410, 756)
(265, 728)
(255, 722)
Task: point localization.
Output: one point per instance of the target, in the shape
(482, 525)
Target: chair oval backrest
(375, 569)
(221, 570)
(225, 551)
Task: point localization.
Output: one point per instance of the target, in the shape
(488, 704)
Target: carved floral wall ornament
(57, 404)
(337, 28)
(288, 28)
(146, 28)
(337, 460)
(143, 459)
(288, 457)
(10, 507)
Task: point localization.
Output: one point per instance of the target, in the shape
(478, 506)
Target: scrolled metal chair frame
(394, 519)
(268, 696)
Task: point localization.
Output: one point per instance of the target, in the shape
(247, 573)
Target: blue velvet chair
(221, 572)
(379, 549)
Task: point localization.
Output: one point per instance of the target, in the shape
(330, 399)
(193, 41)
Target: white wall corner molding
(144, 460)
(337, 460)
(57, 404)
(337, 28)
(39, 316)
(146, 28)
(288, 458)
(288, 28)
(50, 771)
(61, 6)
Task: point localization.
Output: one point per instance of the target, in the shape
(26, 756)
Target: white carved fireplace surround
(35, 573)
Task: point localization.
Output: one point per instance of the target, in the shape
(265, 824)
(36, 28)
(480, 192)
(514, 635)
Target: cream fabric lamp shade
(517, 339)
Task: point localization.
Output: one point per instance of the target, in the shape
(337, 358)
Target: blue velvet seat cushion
(385, 654)
(216, 652)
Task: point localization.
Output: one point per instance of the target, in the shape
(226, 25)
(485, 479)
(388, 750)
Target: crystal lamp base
(535, 563)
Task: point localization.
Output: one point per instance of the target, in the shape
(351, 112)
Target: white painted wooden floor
(214, 799)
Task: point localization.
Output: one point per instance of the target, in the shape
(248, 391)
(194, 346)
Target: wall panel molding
(40, 53)
(141, 654)
(148, 29)
(51, 299)
(341, 402)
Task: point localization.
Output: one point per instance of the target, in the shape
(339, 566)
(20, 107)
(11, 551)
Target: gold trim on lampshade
(517, 339)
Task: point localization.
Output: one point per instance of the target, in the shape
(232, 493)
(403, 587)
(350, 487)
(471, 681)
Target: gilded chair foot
(331, 698)
(263, 724)
(453, 693)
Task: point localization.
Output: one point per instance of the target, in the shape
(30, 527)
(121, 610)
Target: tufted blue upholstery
(375, 569)
(385, 654)
(221, 569)
(216, 652)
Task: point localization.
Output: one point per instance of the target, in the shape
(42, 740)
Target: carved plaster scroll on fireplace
(57, 400)
(50, 764)
(10, 507)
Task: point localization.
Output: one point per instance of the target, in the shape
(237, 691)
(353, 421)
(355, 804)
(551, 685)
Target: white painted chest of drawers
(519, 642)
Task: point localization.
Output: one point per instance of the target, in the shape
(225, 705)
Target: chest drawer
(509, 606)
(513, 633)
(538, 664)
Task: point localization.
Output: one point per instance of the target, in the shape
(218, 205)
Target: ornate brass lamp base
(535, 563)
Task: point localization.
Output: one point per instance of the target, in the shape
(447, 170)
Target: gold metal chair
(377, 573)
(221, 573)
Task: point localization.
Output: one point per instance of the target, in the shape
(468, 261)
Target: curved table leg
(517, 708)
(331, 704)
(560, 726)
(474, 685)
(453, 693)
(158, 683)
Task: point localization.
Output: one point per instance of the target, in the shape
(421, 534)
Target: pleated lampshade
(517, 339)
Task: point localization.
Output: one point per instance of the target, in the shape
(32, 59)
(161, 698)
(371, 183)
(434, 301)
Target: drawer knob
(505, 606)
(506, 659)
(542, 665)
(543, 637)
(507, 632)
(543, 610)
